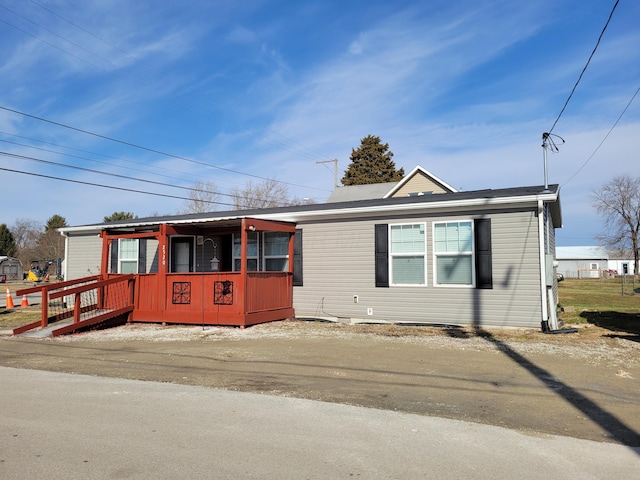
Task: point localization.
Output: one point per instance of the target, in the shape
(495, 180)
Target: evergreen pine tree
(7, 242)
(371, 163)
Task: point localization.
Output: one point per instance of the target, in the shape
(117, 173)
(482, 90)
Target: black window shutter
(142, 255)
(484, 268)
(382, 254)
(114, 256)
(297, 258)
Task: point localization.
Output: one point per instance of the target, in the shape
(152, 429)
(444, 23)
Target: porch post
(104, 260)
(163, 268)
(243, 267)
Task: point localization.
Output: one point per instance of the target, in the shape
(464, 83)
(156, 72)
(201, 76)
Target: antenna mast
(335, 169)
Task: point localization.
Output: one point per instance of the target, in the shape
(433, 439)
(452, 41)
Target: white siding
(338, 263)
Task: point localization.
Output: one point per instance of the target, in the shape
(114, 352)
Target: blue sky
(270, 88)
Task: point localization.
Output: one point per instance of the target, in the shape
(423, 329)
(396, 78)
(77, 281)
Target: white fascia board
(340, 212)
(99, 227)
(376, 210)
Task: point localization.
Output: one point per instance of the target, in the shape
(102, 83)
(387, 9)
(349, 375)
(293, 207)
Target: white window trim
(435, 254)
(130, 260)
(265, 257)
(411, 254)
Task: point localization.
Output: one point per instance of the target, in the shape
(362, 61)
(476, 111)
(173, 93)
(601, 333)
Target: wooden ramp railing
(75, 304)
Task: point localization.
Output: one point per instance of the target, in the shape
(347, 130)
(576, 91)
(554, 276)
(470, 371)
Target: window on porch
(266, 251)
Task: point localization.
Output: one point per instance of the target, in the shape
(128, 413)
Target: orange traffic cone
(9, 303)
(25, 302)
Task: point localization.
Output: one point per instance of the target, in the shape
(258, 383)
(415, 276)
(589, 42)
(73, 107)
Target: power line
(288, 143)
(89, 159)
(605, 137)
(103, 186)
(126, 177)
(148, 149)
(56, 35)
(109, 174)
(585, 67)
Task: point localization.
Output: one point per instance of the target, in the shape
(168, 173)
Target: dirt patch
(582, 384)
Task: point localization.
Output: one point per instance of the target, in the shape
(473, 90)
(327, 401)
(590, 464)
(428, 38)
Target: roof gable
(419, 182)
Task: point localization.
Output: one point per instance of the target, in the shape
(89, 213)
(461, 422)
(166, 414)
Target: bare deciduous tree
(618, 202)
(203, 197)
(26, 233)
(267, 194)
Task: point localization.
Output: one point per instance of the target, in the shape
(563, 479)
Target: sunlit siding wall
(84, 259)
(83, 256)
(338, 263)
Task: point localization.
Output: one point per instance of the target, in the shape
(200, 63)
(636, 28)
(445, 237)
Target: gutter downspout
(66, 249)
(544, 324)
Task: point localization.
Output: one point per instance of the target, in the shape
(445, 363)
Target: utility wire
(127, 177)
(102, 186)
(585, 67)
(288, 143)
(56, 35)
(89, 170)
(148, 149)
(605, 137)
(173, 177)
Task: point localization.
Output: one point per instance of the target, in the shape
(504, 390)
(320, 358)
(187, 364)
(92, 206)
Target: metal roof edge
(344, 209)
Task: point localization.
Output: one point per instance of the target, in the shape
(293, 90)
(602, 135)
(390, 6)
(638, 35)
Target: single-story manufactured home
(415, 251)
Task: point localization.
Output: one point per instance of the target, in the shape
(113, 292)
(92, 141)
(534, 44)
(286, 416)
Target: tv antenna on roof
(335, 170)
(548, 142)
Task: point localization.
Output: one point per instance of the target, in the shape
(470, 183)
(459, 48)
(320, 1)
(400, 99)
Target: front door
(182, 254)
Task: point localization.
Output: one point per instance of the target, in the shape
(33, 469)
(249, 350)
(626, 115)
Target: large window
(276, 251)
(407, 254)
(268, 251)
(128, 255)
(453, 253)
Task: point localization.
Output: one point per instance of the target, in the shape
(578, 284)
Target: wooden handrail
(90, 286)
(55, 286)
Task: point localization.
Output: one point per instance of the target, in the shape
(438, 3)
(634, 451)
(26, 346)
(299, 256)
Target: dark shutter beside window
(297, 258)
(114, 256)
(382, 254)
(484, 268)
(142, 255)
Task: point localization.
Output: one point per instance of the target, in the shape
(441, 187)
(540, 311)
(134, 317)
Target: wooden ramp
(92, 301)
(87, 319)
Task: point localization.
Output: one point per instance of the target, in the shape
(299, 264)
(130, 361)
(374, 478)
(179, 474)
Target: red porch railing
(69, 306)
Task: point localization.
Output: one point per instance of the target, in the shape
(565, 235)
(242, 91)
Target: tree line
(30, 241)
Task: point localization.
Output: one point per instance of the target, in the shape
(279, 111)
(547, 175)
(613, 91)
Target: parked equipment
(37, 274)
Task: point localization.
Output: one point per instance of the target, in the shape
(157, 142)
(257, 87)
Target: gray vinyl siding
(84, 252)
(83, 256)
(338, 259)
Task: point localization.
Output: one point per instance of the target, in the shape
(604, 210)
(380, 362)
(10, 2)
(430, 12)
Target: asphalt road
(68, 426)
